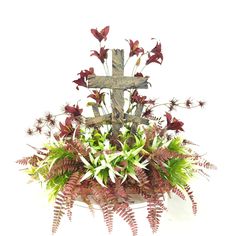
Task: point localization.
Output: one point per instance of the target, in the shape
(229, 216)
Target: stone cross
(118, 83)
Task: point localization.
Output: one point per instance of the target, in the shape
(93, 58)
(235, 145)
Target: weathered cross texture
(118, 83)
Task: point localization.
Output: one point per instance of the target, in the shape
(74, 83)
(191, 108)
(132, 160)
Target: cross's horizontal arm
(117, 82)
(107, 118)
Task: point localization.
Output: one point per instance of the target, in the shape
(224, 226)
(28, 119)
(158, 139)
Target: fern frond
(106, 200)
(162, 155)
(71, 191)
(23, 161)
(124, 210)
(155, 208)
(33, 161)
(190, 194)
(204, 163)
(159, 184)
(120, 191)
(178, 192)
(62, 166)
(58, 212)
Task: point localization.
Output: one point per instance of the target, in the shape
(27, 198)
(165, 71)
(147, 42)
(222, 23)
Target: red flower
(138, 74)
(102, 55)
(97, 96)
(201, 103)
(135, 97)
(134, 48)
(102, 34)
(67, 129)
(148, 113)
(157, 49)
(173, 124)
(73, 110)
(157, 56)
(83, 76)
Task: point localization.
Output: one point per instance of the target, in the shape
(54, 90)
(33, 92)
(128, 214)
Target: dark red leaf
(101, 35)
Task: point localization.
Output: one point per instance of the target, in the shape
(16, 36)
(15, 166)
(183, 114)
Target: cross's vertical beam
(117, 95)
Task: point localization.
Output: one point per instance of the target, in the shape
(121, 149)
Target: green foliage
(111, 163)
(179, 171)
(54, 185)
(176, 145)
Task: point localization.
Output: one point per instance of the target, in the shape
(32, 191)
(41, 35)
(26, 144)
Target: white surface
(44, 44)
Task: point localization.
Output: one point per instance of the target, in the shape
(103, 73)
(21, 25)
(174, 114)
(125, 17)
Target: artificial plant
(99, 160)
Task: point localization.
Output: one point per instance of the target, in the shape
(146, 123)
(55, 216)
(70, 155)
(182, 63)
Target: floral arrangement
(86, 162)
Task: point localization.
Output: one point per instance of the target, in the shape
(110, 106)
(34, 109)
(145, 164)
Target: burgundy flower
(38, 129)
(101, 35)
(173, 123)
(73, 110)
(48, 117)
(83, 76)
(134, 48)
(188, 103)
(154, 59)
(201, 103)
(97, 96)
(102, 55)
(148, 113)
(30, 131)
(156, 55)
(157, 49)
(135, 97)
(138, 74)
(67, 129)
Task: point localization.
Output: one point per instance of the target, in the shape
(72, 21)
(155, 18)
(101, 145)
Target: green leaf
(86, 176)
(100, 180)
(87, 164)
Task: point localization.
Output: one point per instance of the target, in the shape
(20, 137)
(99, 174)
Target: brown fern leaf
(106, 200)
(159, 185)
(125, 211)
(33, 160)
(161, 155)
(23, 161)
(204, 163)
(120, 191)
(150, 134)
(62, 166)
(178, 192)
(142, 177)
(58, 212)
(155, 208)
(190, 194)
(77, 147)
(71, 191)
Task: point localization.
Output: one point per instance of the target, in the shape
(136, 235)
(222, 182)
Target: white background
(44, 44)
